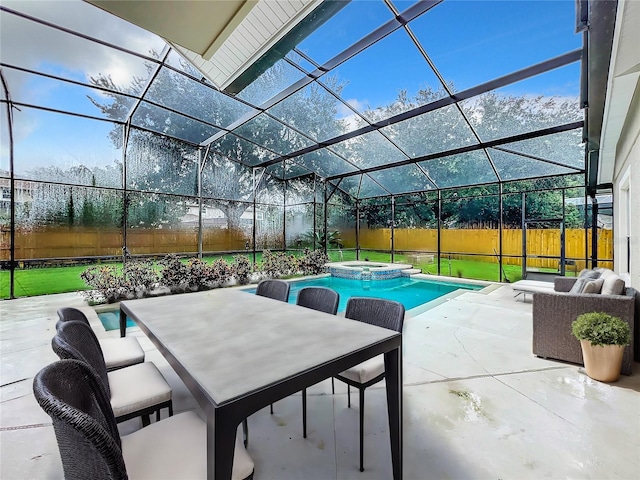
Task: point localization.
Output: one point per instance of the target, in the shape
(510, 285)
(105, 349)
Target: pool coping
(488, 288)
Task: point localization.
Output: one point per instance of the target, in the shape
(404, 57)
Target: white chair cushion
(532, 286)
(121, 352)
(136, 387)
(613, 285)
(365, 371)
(176, 448)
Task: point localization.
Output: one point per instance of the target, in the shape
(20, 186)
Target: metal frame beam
(505, 80)
(471, 148)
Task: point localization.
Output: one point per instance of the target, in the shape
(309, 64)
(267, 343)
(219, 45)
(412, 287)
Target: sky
(42, 138)
(468, 41)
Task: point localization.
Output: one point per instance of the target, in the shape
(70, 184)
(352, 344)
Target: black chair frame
(83, 421)
(376, 311)
(324, 300)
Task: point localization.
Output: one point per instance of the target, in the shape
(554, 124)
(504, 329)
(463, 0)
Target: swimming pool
(407, 291)
(411, 293)
(111, 320)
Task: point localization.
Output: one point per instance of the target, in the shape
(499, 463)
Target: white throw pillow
(606, 273)
(613, 285)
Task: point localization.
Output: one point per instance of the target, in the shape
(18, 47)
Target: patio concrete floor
(477, 404)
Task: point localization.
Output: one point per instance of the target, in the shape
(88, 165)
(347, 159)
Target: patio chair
(317, 298)
(71, 393)
(324, 300)
(276, 289)
(375, 311)
(135, 391)
(118, 352)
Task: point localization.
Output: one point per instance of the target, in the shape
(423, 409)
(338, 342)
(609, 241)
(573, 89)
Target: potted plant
(603, 338)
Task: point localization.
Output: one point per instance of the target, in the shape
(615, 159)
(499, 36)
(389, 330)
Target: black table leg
(221, 442)
(123, 324)
(393, 374)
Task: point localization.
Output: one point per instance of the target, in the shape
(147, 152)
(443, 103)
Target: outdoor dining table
(238, 352)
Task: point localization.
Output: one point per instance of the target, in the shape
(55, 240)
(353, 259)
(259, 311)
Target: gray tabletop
(233, 342)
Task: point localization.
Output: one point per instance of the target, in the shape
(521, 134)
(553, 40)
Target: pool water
(111, 320)
(411, 293)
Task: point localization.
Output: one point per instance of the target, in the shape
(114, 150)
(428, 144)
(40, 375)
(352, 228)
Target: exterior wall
(627, 176)
(624, 90)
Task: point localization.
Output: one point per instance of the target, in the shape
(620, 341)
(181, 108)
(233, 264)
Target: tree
(77, 204)
(493, 116)
(160, 164)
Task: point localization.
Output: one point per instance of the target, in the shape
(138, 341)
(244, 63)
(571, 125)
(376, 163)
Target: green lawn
(41, 281)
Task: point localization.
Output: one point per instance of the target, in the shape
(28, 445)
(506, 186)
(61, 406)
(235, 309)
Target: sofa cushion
(592, 286)
(613, 285)
(584, 278)
(605, 273)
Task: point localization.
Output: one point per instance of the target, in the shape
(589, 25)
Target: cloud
(345, 114)
(32, 45)
(359, 105)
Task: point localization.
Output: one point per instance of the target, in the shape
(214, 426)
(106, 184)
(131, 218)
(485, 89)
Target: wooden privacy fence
(65, 242)
(69, 242)
(540, 242)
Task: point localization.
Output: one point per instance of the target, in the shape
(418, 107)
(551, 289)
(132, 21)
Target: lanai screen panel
(299, 226)
(416, 222)
(379, 84)
(54, 147)
(62, 221)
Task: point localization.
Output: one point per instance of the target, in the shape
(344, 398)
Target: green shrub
(601, 329)
(199, 274)
(241, 269)
(139, 276)
(312, 263)
(220, 272)
(279, 264)
(105, 282)
(174, 274)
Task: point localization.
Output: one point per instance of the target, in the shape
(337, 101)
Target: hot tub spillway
(356, 270)
(366, 274)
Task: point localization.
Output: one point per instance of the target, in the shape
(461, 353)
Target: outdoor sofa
(554, 311)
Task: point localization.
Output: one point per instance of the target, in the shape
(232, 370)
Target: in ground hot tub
(359, 270)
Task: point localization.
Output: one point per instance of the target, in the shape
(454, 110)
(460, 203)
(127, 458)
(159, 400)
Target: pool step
(410, 271)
